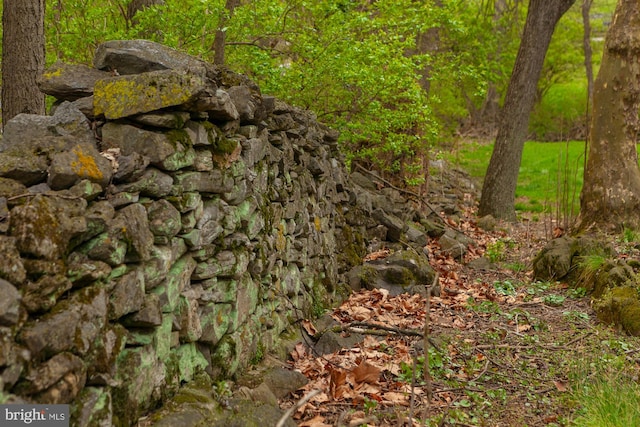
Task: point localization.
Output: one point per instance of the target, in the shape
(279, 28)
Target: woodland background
(399, 79)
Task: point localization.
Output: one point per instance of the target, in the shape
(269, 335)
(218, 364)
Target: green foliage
(370, 405)
(578, 292)
(391, 75)
(589, 267)
(222, 390)
(394, 77)
(608, 400)
(554, 300)
(504, 287)
(630, 236)
(495, 251)
(74, 28)
(437, 366)
(576, 315)
(561, 111)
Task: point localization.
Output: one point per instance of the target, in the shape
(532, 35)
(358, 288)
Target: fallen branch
(295, 407)
(427, 339)
(371, 330)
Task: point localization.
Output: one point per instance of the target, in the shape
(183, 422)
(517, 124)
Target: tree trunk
(136, 6)
(22, 57)
(610, 197)
(498, 191)
(487, 117)
(220, 37)
(586, 44)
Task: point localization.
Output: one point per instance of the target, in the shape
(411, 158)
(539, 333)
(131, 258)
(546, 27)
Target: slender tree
(22, 57)
(136, 6)
(586, 44)
(498, 191)
(219, 40)
(610, 197)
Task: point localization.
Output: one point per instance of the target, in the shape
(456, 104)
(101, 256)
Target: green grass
(608, 401)
(550, 178)
(561, 111)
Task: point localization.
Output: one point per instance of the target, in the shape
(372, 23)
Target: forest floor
(504, 350)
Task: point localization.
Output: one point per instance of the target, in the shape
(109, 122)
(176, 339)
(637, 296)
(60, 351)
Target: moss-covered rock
(123, 96)
(620, 306)
(70, 81)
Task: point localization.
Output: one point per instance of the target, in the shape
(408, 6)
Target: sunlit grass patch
(550, 177)
(608, 400)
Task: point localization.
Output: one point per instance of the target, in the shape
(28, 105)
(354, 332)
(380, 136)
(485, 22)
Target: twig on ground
(486, 366)
(427, 340)
(521, 347)
(295, 407)
(355, 327)
(575, 340)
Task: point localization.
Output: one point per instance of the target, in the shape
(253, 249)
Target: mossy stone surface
(123, 96)
(620, 306)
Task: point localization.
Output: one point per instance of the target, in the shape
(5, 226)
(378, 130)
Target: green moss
(213, 132)
(368, 275)
(178, 136)
(258, 356)
(355, 249)
(630, 318)
(122, 96)
(225, 146)
(620, 306)
(52, 72)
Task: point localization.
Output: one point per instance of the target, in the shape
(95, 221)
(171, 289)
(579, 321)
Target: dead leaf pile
(377, 372)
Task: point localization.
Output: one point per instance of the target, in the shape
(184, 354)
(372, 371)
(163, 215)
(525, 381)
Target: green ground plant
(589, 266)
(608, 400)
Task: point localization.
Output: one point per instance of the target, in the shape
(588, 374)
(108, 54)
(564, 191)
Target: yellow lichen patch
(52, 72)
(317, 223)
(281, 240)
(86, 166)
(127, 95)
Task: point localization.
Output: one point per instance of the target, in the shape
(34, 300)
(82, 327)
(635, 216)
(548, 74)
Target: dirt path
(504, 351)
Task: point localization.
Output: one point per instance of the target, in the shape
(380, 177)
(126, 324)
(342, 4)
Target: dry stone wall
(167, 219)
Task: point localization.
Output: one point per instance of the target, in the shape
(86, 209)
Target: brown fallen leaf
(337, 382)
(524, 328)
(560, 385)
(396, 398)
(309, 327)
(299, 352)
(317, 421)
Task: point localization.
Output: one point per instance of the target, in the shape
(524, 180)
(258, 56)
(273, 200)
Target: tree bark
(22, 57)
(586, 44)
(498, 191)
(610, 198)
(136, 6)
(220, 37)
(488, 116)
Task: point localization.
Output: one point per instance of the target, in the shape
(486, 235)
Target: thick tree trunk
(610, 197)
(498, 191)
(22, 57)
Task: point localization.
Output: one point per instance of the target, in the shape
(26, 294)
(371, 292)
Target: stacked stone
(166, 219)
